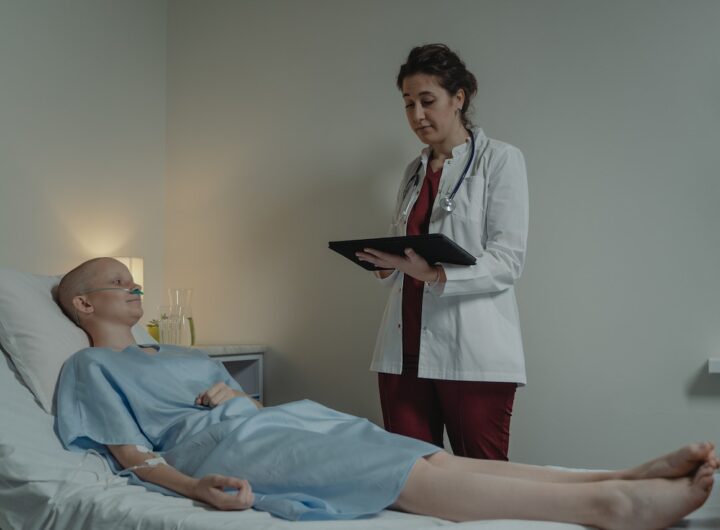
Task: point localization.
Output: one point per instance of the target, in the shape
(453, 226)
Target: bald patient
(75, 286)
(350, 469)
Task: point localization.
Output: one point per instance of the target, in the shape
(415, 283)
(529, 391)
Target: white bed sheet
(42, 486)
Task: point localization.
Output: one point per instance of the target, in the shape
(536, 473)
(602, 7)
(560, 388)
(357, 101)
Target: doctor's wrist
(434, 276)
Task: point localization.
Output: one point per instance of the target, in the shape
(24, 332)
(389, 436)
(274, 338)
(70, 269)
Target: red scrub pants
(476, 414)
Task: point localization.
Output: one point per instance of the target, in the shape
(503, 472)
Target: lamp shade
(135, 266)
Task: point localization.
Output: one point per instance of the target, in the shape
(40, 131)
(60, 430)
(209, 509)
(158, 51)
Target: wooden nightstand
(244, 362)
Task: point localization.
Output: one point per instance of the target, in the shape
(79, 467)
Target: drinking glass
(169, 325)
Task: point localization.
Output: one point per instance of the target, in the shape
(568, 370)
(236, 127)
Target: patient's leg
(520, 471)
(680, 463)
(614, 504)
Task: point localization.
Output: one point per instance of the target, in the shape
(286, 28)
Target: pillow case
(36, 333)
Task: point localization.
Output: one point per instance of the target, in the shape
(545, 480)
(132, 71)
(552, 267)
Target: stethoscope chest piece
(447, 204)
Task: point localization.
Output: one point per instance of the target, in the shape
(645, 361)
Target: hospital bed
(43, 486)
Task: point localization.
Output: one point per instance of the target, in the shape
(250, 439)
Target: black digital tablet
(435, 248)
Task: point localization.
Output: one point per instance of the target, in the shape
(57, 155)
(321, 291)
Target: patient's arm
(207, 489)
(219, 393)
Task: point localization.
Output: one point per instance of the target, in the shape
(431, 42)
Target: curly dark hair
(440, 61)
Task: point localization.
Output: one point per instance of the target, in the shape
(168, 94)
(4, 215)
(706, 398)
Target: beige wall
(82, 134)
(285, 131)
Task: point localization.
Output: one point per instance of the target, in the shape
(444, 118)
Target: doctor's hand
(209, 489)
(216, 394)
(412, 264)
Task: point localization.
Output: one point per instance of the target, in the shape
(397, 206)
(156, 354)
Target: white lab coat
(470, 328)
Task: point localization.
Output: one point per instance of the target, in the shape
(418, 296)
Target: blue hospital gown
(303, 460)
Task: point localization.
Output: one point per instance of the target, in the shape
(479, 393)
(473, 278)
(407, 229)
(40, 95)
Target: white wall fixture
(714, 365)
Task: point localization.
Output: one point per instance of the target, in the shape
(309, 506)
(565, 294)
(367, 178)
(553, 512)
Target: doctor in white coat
(449, 351)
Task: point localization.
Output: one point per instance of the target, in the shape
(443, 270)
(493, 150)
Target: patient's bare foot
(655, 503)
(683, 462)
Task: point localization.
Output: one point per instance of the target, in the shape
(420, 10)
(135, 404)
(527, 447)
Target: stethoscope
(447, 203)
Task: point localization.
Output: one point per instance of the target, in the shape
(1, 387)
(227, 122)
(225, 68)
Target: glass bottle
(181, 309)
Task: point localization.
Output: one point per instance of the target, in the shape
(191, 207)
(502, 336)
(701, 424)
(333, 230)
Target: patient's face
(113, 303)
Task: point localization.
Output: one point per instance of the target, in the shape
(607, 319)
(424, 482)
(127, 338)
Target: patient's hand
(216, 394)
(209, 489)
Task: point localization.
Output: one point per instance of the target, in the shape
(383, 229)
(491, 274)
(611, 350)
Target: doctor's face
(431, 111)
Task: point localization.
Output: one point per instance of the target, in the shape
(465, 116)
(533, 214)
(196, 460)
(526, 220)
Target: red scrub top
(412, 294)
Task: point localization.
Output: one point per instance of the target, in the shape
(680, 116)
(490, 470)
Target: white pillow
(36, 333)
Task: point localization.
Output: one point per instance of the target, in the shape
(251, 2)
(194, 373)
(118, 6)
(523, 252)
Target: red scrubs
(476, 414)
